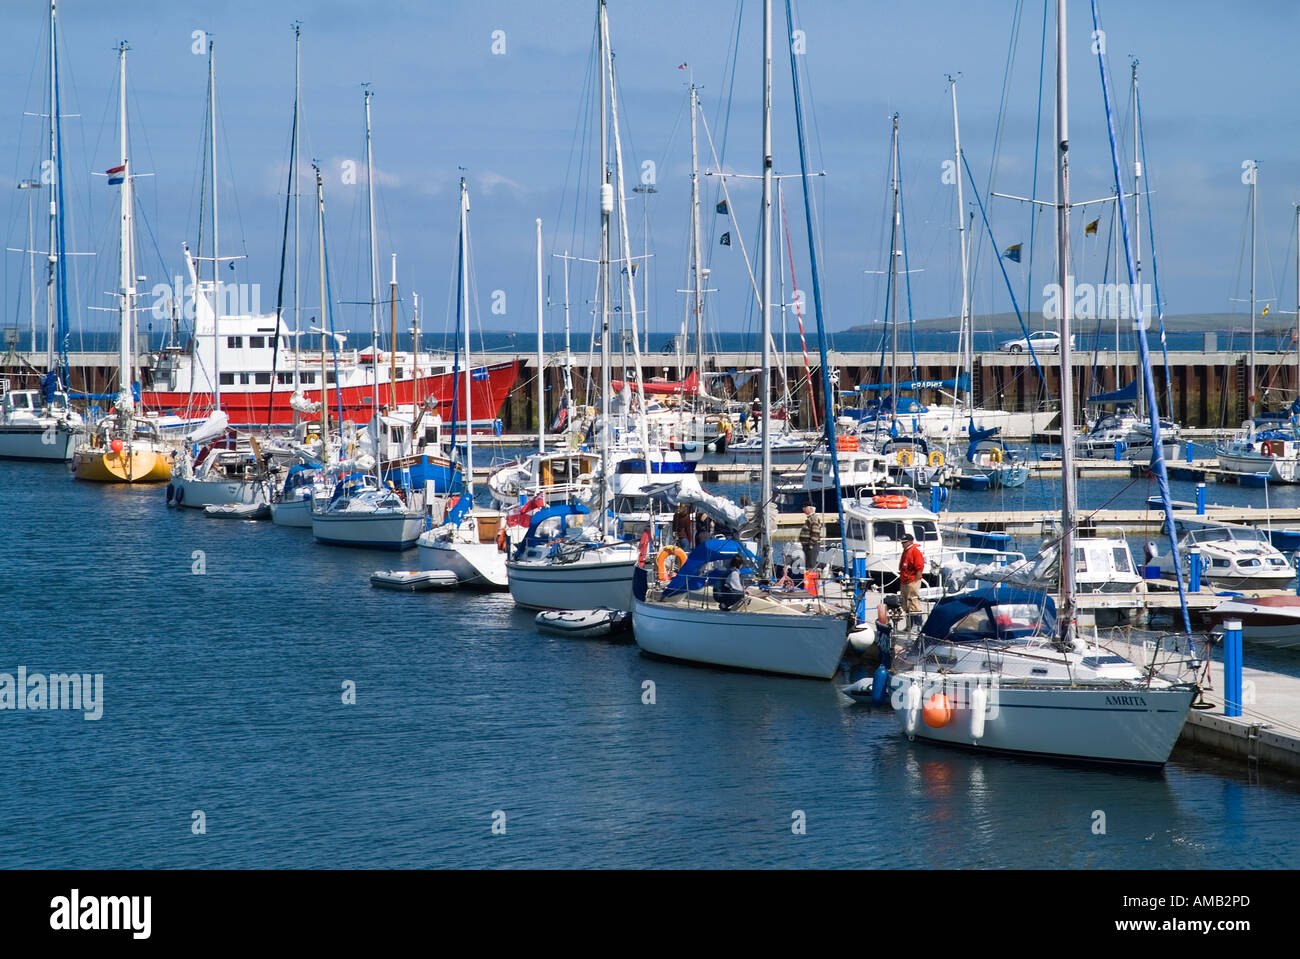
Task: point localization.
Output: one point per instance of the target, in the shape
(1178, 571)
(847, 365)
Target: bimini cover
(977, 437)
(1125, 394)
(695, 572)
(563, 510)
(992, 615)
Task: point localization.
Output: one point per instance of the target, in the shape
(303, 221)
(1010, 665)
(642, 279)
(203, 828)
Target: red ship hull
(489, 389)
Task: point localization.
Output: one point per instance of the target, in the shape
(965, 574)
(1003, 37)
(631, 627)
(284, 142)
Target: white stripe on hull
(795, 645)
(572, 585)
(1107, 724)
(474, 564)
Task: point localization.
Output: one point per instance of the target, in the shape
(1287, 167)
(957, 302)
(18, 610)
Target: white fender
(913, 708)
(979, 701)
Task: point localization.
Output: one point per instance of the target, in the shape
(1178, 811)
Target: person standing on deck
(911, 565)
(683, 527)
(810, 537)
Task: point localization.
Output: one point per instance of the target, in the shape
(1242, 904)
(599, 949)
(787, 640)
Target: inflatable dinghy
(583, 622)
(413, 580)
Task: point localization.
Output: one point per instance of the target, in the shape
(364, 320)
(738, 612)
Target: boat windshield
(1002, 621)
(1222, 534)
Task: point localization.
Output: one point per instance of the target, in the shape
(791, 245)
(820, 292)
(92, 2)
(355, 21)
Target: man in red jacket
(910, 567)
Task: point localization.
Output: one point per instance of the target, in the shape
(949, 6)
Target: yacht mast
(126, 274)
(606, 209)
(765, 493)
(51, 280)
(374, 290)
(462, 304)
(324, 327)
(216, 260)
(1137, 228)
(1254, 186)
(1068, 479)
(696, 258)
(297, 218)
(965, 324)
(541, 369)
(392, 342)
(894, 251)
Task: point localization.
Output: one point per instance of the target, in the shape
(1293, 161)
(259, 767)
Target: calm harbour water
(223, 693)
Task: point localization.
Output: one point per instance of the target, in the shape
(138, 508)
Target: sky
(503, 89)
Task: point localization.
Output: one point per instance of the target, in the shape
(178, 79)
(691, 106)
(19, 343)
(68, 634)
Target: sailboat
(1003, 669)
(1268, 446)
(366, 509)
(690, 617)
(466, 543)
(41, 424)
(125, 447)
(586, 566)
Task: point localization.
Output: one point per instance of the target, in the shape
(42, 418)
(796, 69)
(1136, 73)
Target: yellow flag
(1265, 313)
(1091, 228)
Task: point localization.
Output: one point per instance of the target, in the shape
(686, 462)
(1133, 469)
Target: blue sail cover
(692, 573)
(979, 436)
(962, 382)
(1125, 394)
(951, 610)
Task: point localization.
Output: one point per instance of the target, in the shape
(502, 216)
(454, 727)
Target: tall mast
(1297, 299)
(568, 353)
(126, 274)
(1137, 223)
(1254, 187)
(965, 323)
(696, 257)
(392, 343)
(462, 304)
(606, 209)
(51, 280)
(1068, 479)
(894, 244)
(324, 327)
(765, 492)
(374, 283)
(216, 261)
(297, 213)
(541, 369)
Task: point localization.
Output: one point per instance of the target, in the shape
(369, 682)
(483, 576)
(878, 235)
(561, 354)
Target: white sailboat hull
(582, 585)
(24, 442)
(792, 645)
(474, 564)
(1277, 469)
(295, 513)
(1105, 724)
(200, 494)
(380, 530)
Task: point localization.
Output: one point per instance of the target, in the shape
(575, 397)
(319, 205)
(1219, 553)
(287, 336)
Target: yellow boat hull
(128, 466)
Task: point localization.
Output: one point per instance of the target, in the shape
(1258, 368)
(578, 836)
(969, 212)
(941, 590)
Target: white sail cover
(214, 426)
(302, 404)
(718, 508)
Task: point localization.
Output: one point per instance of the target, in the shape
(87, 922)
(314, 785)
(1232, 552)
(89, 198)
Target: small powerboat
(1265, 620)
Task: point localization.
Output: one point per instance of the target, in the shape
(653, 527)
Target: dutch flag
(116, 175)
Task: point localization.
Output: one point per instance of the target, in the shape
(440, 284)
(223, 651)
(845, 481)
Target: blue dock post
(1190, 445)
(1200, 499)
(1194, 565)
(1232, 667)
(1119, 450)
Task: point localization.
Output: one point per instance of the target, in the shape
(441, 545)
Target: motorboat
(1231, 556)
(362, 513)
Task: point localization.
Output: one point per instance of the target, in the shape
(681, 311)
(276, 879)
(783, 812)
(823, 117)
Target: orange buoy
(938, 711)
(116, 446)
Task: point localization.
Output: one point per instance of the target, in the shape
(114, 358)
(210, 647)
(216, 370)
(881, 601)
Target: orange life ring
(501, 540)
(661, 561)
(846, 443)
(891, 501)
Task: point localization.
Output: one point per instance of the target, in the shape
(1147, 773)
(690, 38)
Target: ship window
(234, 342)
(925, 532)
(887, 531)
(257, 342)
(857, 530)
(227, 379)
(401, 373)
(1248, 563)
(307, 377)
(1121, 560)
(262, 378)
(283, 378)
(244, 378)
(1218, 563)
(329, 376)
